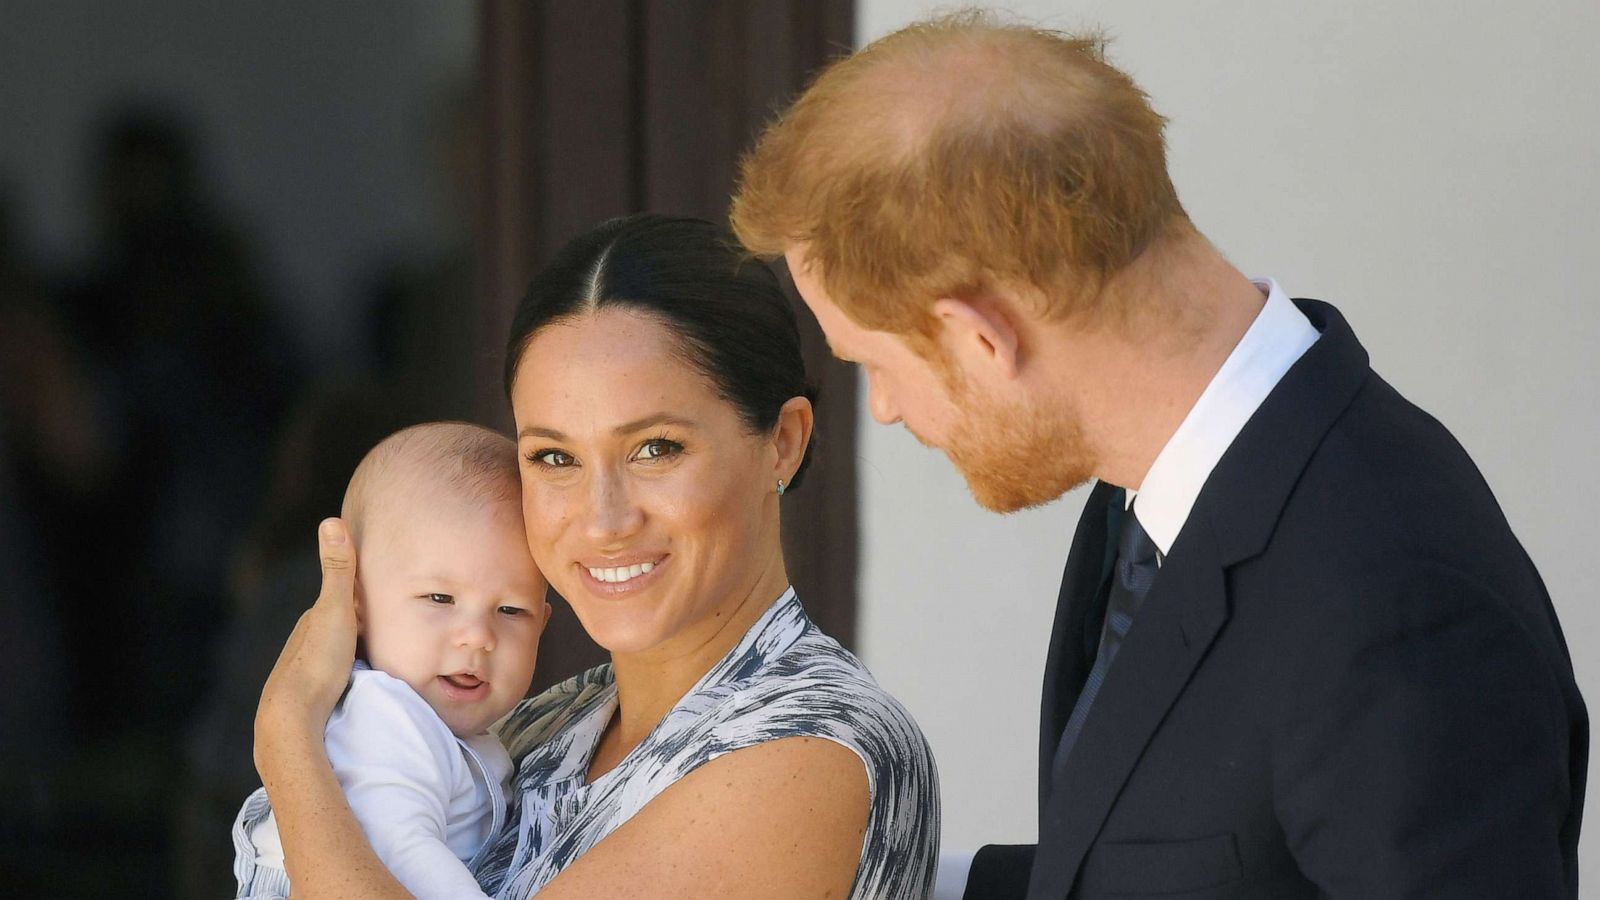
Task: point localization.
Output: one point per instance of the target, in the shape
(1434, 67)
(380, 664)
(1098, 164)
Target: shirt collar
(1277, 338)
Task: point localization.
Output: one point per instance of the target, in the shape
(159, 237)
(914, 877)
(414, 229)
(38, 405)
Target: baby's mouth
(463, 681)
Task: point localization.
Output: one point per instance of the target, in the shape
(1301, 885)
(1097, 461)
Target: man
(1297, 651)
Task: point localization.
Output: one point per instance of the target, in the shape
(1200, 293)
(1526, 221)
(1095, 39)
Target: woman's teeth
(621, 573)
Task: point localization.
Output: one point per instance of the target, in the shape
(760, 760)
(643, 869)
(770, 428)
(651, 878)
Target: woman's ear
(982, 333)
(791, 437)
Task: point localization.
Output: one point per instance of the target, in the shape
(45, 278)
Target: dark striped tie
(1133, 573)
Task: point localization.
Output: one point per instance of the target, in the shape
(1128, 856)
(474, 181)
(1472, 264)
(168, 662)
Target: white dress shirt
(1278, 337)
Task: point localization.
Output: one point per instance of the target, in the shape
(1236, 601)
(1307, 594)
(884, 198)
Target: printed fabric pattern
(784, 679)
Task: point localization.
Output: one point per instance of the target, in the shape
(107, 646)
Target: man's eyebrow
(626, 428)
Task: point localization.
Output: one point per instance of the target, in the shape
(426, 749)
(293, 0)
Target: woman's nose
(612, 513)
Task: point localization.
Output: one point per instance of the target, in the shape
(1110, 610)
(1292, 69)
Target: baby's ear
(361, 607)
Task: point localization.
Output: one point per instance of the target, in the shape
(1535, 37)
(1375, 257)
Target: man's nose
(883, 411)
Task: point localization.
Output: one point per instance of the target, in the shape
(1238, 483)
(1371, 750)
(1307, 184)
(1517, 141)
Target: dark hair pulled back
(730, 316)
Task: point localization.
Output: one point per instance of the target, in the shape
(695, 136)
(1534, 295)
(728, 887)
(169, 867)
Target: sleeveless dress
(784, 679)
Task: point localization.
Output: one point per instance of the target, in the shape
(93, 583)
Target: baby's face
(452, 605)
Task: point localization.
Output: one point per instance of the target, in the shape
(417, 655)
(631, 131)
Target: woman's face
(649, 505)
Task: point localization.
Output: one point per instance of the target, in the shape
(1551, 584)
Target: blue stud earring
(780, 487)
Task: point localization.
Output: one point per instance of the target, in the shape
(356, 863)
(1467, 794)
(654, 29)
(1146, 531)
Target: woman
(729, 749)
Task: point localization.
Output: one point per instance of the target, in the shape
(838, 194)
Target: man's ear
(981, 330)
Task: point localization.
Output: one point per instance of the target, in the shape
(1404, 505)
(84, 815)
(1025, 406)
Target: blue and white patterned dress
(784, 679)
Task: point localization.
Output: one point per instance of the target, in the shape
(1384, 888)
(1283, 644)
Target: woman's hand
(324, 849)
(314, 667)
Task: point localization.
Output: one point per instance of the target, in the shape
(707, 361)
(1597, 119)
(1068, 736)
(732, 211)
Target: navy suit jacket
(1347, 681)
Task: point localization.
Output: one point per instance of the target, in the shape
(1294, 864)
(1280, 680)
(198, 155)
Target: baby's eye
(512, 611)
(441, 599)
(660, 448)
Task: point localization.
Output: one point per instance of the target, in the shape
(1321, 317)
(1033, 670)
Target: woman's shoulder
(817, 688)
(543, 716)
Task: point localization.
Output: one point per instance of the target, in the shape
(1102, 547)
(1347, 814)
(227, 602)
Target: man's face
(1013, 451)
(902, 386)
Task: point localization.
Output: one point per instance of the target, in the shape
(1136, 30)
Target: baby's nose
(475, 635)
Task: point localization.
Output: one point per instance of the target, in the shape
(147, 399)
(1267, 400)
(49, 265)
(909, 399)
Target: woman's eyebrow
(653, 421)
(537, 431)
(626, 428)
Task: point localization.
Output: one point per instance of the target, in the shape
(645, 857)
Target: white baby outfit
(428, 801)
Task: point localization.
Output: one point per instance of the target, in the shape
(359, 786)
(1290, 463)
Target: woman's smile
(618, 579)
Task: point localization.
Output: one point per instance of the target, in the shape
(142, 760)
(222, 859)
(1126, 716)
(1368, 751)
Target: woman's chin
(619, 630)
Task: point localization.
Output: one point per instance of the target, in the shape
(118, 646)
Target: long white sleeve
(409, 785)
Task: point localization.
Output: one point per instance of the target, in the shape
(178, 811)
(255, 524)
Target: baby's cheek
(387, 651)
(527, 658)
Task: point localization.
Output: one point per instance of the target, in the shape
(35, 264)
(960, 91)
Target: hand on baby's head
(451, 603)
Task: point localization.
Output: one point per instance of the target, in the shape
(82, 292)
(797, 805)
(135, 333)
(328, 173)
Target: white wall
(1429, 167)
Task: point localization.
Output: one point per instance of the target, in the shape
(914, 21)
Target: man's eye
(660, 449)
(554, 459)
(442, 599)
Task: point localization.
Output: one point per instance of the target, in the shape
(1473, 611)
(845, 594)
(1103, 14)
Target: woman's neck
(649, 684)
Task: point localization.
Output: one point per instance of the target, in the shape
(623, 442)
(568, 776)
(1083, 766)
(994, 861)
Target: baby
(451, 608)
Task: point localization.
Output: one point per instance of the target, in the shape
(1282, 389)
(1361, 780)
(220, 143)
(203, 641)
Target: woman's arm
(783, 819)
(324, 849)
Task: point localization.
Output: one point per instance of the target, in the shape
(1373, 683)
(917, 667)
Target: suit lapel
(1176, 625)
(1232, 520)
(1068, 663)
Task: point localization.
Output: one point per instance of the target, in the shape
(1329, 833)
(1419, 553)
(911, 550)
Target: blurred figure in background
(205, 375)
(42, 423)
(140, 403)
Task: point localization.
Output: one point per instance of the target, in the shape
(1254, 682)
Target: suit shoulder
(1390, 483)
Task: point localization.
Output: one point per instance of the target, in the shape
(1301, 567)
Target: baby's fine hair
(465, 460)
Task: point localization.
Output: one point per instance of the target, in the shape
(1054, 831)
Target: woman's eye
(555, 459)
(441, 599)
(660, 449)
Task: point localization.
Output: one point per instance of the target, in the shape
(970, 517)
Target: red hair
(957, 154)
